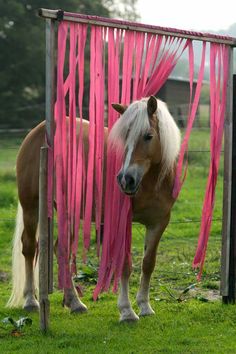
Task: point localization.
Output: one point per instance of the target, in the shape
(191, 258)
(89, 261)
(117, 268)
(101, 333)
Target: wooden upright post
(229, 206)
(46, 223)
(231, 280)
(49, 112)
(43, 242)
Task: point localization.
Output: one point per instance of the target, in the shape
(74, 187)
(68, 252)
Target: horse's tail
(18, 263)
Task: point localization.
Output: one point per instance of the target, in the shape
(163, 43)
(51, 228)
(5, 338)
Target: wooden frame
(106, 22)
(228, 260)
(46, 223)
(228, 255)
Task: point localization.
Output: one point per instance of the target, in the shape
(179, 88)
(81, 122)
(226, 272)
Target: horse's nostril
(119, 177)
(130, 181)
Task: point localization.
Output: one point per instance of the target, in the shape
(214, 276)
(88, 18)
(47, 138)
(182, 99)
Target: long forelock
(169, 138)
(130, 126)
(134, 122)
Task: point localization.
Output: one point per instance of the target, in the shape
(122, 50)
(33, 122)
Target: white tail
(18, 264)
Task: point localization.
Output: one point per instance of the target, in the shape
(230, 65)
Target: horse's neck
(153, 202)
(153, 182)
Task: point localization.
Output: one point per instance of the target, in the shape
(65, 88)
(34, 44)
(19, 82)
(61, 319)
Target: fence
(51, 17)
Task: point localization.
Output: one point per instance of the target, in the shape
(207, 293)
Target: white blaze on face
(127, 163)
(128, 158)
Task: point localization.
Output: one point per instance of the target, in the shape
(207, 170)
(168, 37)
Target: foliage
(22, 51)
(126, 9)
(16, 326)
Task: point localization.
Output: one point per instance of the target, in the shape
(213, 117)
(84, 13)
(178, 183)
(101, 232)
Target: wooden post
(232, 254)
(43, 241)
(230, 295)
(45, 223)
(227, 195)
(49, 113)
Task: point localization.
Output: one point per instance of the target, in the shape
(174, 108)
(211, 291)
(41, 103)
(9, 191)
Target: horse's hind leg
(151, 243)
(125, 308)
(30, 217)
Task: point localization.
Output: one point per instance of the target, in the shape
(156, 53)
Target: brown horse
(151, 141)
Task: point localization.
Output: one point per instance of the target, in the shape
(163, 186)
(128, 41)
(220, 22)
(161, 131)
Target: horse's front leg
(125, 308)
(72, 300)
(153, 236)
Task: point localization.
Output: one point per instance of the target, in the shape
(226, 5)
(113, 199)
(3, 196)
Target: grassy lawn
(195, 322)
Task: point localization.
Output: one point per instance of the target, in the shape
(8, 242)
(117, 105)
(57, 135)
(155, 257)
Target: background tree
(22, 51)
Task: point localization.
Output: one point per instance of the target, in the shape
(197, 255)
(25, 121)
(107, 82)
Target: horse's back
(27, 165)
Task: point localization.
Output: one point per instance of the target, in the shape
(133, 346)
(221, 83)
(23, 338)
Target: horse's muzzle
(129, 184)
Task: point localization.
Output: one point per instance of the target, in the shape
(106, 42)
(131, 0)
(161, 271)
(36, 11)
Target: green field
(195, 322)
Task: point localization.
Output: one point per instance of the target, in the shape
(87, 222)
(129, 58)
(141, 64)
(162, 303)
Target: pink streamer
(68, 157)
(64, 278)
(218, 90)
(91, 154)
(149, 59)
(118, 214)
(99, 106)
(191, 117)
(79, 169)
(72, 137)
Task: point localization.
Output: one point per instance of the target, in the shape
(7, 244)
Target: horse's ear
(151, 105)
(119, 107)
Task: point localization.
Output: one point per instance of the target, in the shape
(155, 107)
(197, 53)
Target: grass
(188, 326)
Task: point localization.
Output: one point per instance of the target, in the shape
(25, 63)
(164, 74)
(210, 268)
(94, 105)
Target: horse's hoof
(31, 308)
(128, 316)
(146, 310)
(31, 305)
(80, 309)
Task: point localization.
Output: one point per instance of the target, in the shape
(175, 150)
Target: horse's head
(138, 132)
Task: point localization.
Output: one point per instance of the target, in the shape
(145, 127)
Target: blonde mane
(134, 122)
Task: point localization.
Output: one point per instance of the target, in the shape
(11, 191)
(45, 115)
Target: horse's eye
(148, 137)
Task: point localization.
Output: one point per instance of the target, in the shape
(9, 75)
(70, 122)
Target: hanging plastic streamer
(218, 91)
(118, 215)
(145, 56)
(193, 105)
(96, 134)
(146, 61)
(68, 157)
(60, 152)
(80, 166)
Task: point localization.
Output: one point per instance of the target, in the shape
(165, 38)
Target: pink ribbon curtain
(144, 57)
(96, 134)
(69, 161)
(193, 105)
(218, 91)
(143, 62)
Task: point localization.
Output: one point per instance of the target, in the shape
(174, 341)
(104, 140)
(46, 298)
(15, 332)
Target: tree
(22, 51)
(122, 9)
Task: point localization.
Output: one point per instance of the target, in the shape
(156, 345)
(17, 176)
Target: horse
(151, 142)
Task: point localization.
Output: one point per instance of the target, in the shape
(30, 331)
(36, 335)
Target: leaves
(179, 297)
(185, 291)
(22, 52)
(16, 326)
(88, 274)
